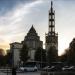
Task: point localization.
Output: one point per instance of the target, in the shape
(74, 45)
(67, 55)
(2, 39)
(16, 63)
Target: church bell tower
(51, 37)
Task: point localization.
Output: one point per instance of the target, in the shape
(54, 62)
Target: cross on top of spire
(51, 3)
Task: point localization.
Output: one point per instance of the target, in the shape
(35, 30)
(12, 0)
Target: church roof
(32, 31)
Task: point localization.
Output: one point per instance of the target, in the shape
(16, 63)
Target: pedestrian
(14, 71)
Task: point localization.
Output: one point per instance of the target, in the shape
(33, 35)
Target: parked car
(68, 68)
(72, 68)
(30, 68)
(21, 69)
(57, 66)
(48, 68)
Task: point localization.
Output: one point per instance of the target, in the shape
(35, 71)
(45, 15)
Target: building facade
(32, 40)
(15, 48)
(51, 38)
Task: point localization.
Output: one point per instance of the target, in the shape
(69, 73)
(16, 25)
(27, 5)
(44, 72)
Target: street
(41, 73)
(27, 73)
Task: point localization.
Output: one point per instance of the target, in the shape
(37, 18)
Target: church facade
(32, 40)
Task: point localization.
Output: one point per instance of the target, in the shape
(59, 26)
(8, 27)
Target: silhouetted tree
(65, 56)
(69, 56)
(2, 52)
(24, 53)
(52, 55)
(40, 55)
(8, 59)
(72, 52)
(2, 58)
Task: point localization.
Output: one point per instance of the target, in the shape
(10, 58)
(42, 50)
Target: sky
(17, 17)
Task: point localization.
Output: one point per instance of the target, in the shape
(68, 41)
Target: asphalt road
(39, 73)
(28, 73)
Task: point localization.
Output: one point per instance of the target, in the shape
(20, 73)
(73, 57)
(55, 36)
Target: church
(51, 38)
(33, 41)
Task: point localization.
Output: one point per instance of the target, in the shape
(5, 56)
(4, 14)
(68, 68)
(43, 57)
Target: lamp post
(7, 69)
(41, 61)
(41, 58)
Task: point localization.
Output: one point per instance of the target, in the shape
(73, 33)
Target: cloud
(17, 18)
(12, 23)
(8, 5)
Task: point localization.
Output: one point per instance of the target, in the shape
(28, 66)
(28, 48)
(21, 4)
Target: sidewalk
(1, 73)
